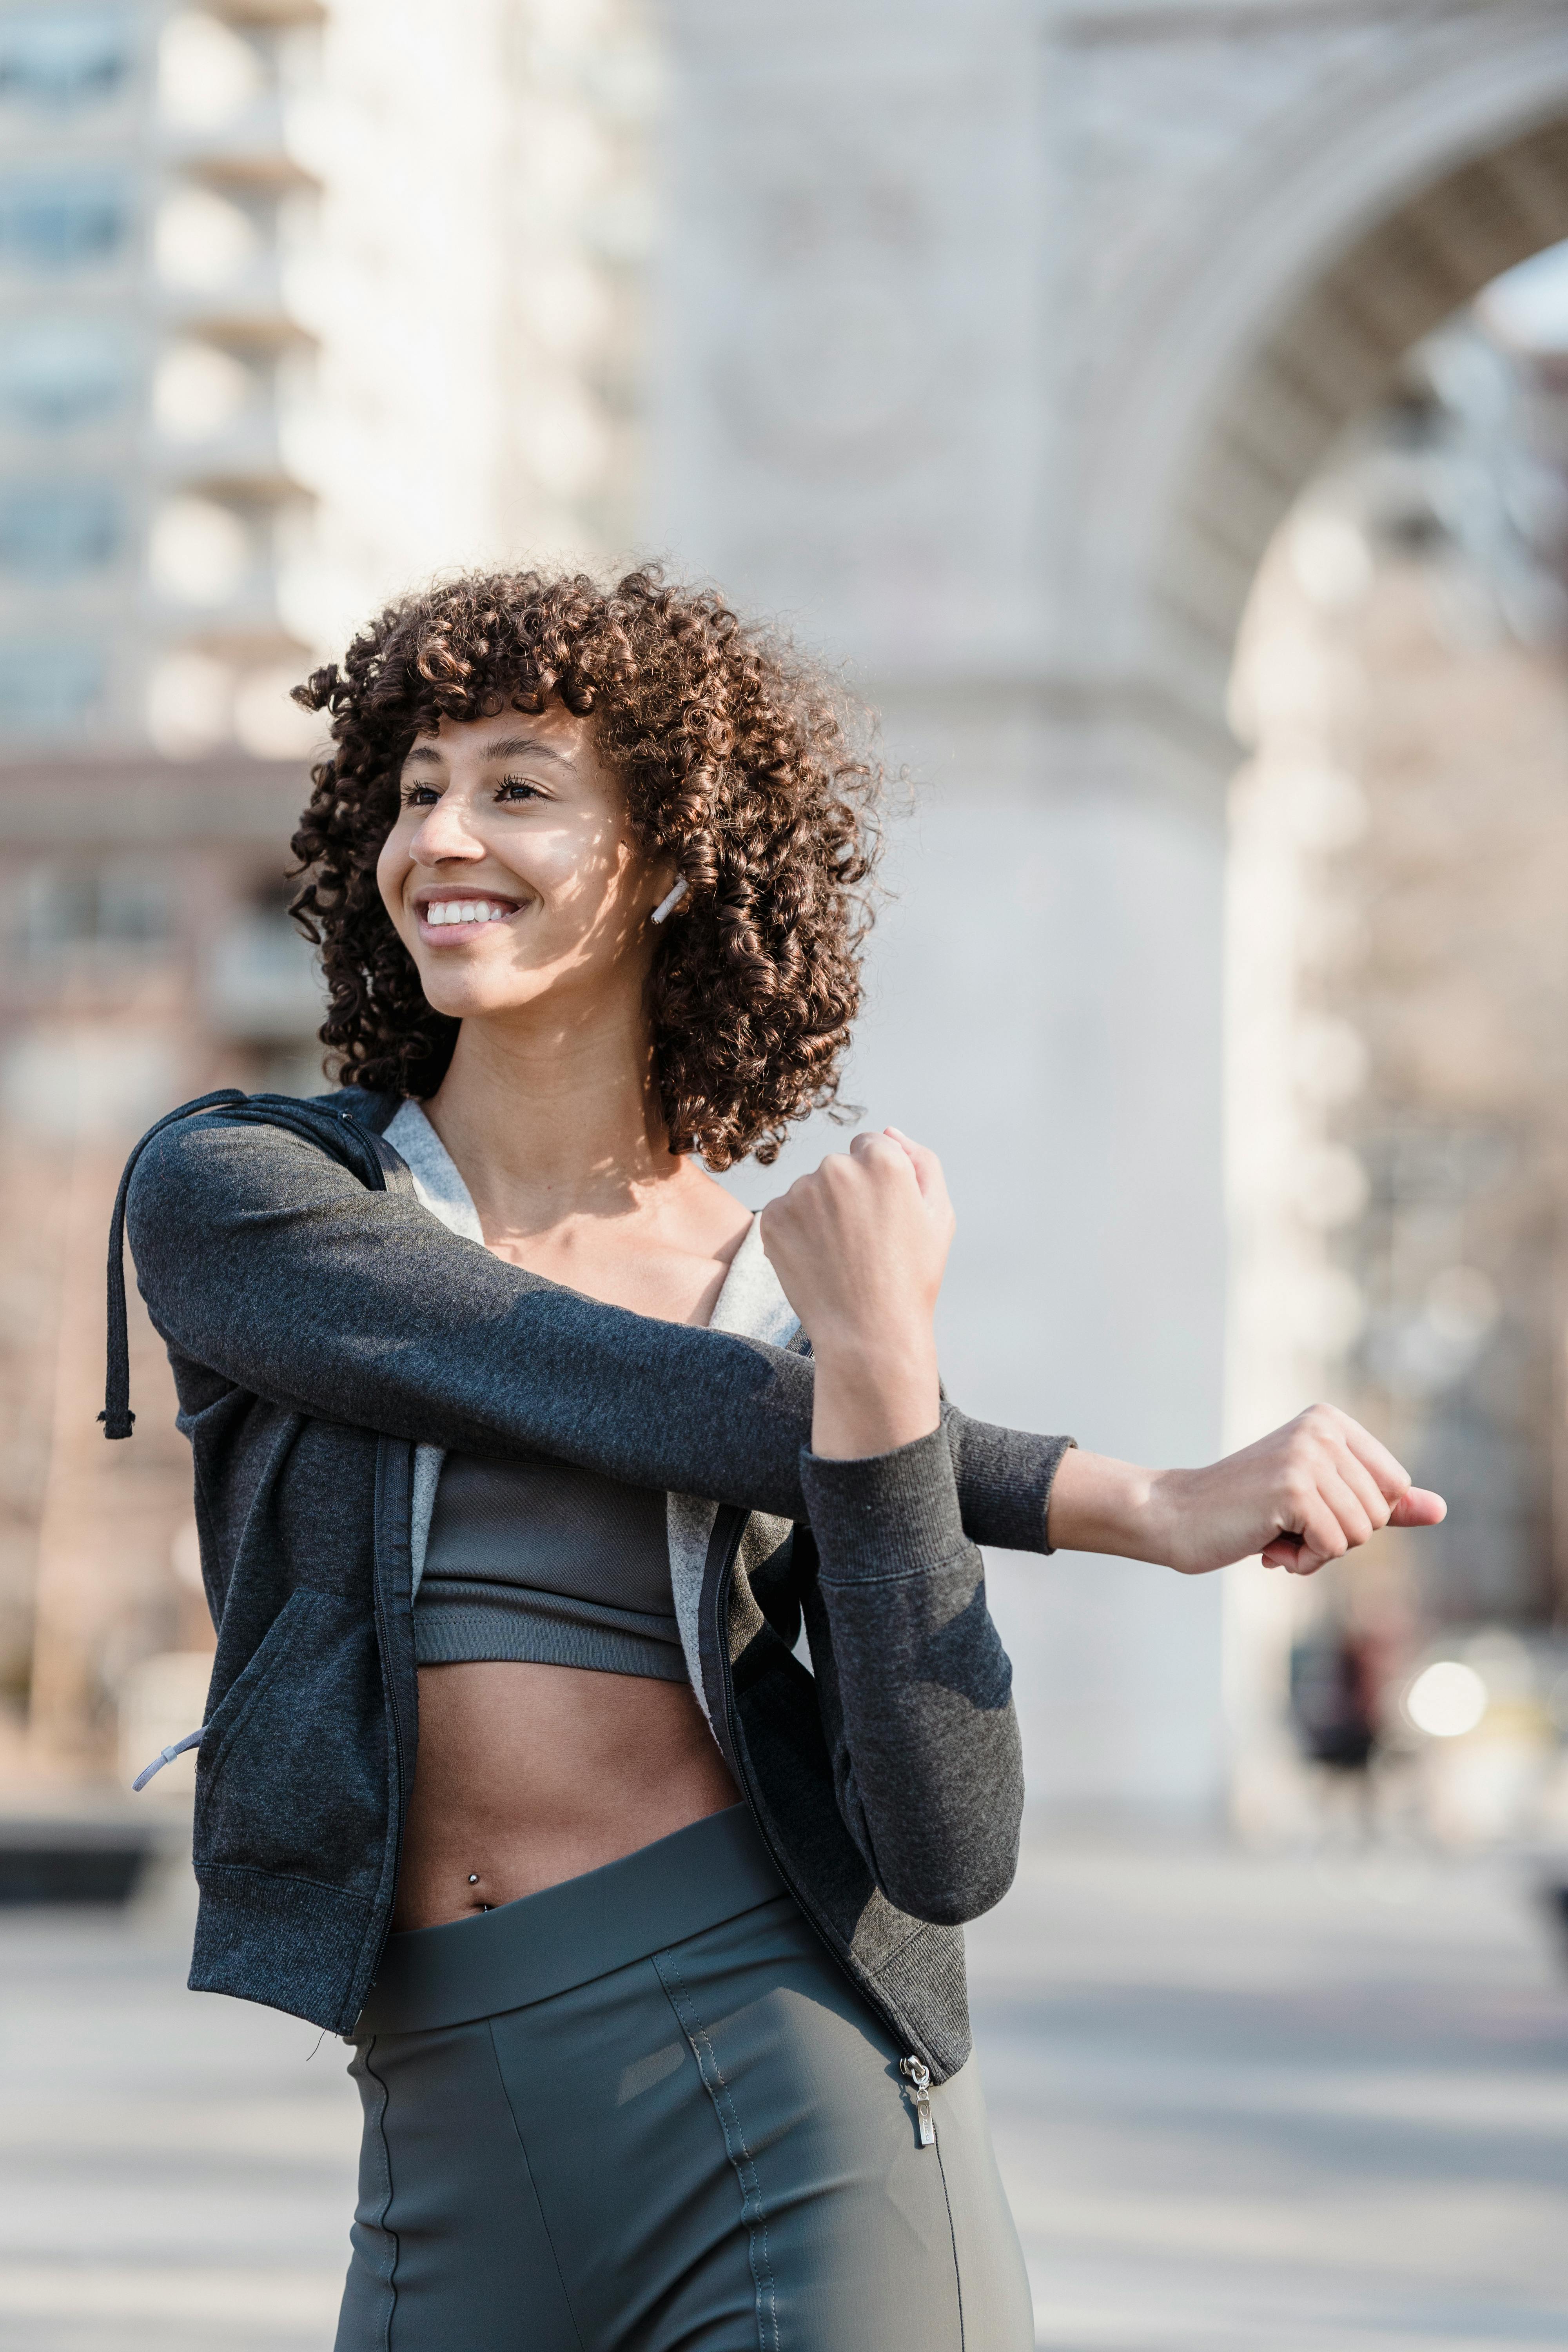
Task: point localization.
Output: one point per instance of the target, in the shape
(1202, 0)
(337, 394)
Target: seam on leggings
(538, 2201)
(953, 2239)
(754, 2212)
(382, 2223)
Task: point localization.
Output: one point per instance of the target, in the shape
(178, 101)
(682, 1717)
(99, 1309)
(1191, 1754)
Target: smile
(451, 915)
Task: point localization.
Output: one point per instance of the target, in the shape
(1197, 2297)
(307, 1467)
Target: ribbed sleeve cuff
(1004, 1481)
(882, 1515)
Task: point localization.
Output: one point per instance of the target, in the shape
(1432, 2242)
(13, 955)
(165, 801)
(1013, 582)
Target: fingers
(922, 1158)
(1392, 1477)
(1369, 1496)
(877, 1151)
(1323, 1535)
(1286, 1552)
(1369, 1467)
(928, 1171)
(1341, 1486)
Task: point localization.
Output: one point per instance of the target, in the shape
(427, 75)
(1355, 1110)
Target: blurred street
(1316, 2107)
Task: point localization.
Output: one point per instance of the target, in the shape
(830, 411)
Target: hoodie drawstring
(117, 1416)
(166, 1756)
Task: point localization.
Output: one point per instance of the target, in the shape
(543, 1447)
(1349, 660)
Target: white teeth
(464, 910)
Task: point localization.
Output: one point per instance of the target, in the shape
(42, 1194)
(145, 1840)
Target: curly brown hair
(736, 760)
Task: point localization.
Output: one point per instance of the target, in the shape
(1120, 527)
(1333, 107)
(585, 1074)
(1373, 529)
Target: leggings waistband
(544, 1944)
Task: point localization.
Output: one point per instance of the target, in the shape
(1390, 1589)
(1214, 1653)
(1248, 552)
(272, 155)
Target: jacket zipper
(913, 2068)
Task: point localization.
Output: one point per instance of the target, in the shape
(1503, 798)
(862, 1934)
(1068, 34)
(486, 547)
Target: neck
(545, 1126)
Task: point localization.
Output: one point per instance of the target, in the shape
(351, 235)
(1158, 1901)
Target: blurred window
(198, 391)
(65, 57)
(47, 689)
(263, 983)
(199, 551)
(56, 373)
(56, 225)
(63, 902)
(207, 72)
(202, 242)
(49, 529)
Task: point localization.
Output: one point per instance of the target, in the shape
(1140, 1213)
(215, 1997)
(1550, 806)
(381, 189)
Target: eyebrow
(515, 747)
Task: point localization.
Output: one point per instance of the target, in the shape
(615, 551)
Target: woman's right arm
(262, 1258)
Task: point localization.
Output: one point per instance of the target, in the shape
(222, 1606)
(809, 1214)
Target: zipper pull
(917, 2074)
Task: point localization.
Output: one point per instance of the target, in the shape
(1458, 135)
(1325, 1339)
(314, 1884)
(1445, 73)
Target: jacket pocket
(292, 1774)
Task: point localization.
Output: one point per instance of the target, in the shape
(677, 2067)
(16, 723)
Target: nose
(444, 833)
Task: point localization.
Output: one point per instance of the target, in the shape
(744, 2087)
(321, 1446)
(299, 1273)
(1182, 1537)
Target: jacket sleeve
(915, 1689)
(263, 1259)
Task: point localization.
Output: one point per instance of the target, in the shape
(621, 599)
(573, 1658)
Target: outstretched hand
(1304, 1494)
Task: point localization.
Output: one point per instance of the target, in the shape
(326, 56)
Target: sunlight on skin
(523, 810)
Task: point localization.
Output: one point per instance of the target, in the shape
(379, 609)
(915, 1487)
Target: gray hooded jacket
(335, 1324)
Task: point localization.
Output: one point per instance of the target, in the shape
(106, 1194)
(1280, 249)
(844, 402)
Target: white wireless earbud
(667, 905)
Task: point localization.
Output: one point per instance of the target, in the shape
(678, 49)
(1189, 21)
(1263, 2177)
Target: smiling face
(511, 873)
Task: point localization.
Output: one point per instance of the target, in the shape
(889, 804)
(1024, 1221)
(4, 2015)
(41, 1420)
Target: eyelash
(425, 795)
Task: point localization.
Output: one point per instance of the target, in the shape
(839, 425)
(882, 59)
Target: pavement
(1311, 2104)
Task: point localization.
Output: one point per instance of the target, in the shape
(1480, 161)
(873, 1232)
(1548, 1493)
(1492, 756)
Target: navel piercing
(667, 905)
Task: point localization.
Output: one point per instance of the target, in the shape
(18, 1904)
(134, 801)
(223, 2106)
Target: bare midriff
(529, 1775)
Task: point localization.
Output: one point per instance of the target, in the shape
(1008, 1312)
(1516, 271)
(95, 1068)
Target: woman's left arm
(916, 1688)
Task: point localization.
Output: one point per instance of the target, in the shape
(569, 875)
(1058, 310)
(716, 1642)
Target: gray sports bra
(536, 1560)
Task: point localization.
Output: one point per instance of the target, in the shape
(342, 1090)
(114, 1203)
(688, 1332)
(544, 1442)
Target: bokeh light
(1447, 1700)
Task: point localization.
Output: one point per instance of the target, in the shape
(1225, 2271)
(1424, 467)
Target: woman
(516, 1489)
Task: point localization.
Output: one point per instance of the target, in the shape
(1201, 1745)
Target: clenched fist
(859, 1246)
(1305, 1494)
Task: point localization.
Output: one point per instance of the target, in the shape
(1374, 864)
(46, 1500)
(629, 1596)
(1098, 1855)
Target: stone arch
(1274, 309)
(1333, 354)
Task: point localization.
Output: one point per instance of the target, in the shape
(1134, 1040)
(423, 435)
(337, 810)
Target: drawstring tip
(166, 1756)
(117, 1424)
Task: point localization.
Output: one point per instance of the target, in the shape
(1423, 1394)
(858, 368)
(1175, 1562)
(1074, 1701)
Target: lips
(456, 916)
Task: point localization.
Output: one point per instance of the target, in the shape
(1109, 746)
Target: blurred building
(296, 307)
(1399, 991)
(150, 773)
(987, 345)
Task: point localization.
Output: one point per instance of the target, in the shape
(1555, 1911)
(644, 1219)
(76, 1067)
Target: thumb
(1418, 1508)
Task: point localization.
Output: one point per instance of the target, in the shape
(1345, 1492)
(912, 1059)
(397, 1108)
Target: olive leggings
(645, 2112)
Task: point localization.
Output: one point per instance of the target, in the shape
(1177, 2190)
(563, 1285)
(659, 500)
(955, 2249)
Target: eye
(420, 795)
(518, 788)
